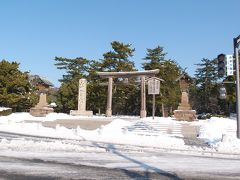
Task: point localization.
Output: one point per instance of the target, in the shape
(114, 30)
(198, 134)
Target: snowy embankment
(4, 108)
(219, 132)
(110, 133)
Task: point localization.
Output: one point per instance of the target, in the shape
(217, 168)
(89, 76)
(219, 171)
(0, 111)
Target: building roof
(185, 76)
(36, 79)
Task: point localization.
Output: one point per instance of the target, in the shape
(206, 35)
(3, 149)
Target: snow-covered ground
(220, 133)
(4, 108)
(116, 145)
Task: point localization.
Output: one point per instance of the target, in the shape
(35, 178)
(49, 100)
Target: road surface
(23, 157)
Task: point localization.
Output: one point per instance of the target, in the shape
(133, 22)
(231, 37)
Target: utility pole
(236, 42)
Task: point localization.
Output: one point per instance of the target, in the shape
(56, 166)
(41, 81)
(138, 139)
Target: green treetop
(15, 89)
(169, 72)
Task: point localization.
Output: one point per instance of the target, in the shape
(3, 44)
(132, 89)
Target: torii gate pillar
(143, 112)
(109, 97)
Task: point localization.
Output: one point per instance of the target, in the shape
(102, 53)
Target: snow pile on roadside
(36, 129)
(24, 116)
(4, 108)
(229, 144)
(110, 133)
(115, 127)
(114, 133)
(43, 146)
(16, 117)
(220, 133)
(213, 129)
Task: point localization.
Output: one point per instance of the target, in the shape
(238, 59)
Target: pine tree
(75, 69)
(118, 60)
(15, 89)
(206, 87)
(169, 72)
(97, 93)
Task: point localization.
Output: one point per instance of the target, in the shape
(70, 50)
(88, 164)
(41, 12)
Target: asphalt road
(35, 169)
(22, 157)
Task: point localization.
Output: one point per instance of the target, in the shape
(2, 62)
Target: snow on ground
(45, 146)
(218, 132)
(114, 133)
(214, 128)
(24, 116)
(4, 108)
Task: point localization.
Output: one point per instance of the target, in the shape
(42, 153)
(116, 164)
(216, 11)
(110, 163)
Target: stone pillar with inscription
(82, 94)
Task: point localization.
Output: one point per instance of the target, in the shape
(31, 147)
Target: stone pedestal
(81, 113)
(184, 111)
(41, 109)
(185, 115)
(82, 94)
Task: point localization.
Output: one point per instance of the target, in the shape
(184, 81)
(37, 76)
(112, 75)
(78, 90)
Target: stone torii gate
(142, 74)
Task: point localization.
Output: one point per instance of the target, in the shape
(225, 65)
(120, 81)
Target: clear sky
(34, 32)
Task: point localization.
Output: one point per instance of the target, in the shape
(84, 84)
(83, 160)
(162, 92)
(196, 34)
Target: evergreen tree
(97, 93)
(75, 69)
(118, 60)
(67, 96)
(169, 72)
(15, 89)
(206, 87)
(155, 58)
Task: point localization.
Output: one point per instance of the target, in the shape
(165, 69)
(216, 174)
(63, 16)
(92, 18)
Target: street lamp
(236, 42)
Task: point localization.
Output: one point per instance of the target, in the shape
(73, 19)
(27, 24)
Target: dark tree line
(16, 91)
(126, 92)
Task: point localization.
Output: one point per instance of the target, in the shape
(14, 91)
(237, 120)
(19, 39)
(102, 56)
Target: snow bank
(214, 128)
(220, 133)
(23, 116)
(228, 144)
(43, 146)
(115, 133)
(4, 108)
(16, 117)
(36, 129)
(111, 133)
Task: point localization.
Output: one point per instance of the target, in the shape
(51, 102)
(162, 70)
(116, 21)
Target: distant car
(204, 116)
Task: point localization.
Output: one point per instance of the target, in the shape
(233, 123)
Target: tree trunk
(163, 111)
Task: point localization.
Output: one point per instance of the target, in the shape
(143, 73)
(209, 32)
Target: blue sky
(34, 32)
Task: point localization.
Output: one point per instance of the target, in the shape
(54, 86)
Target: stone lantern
(184, 111)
